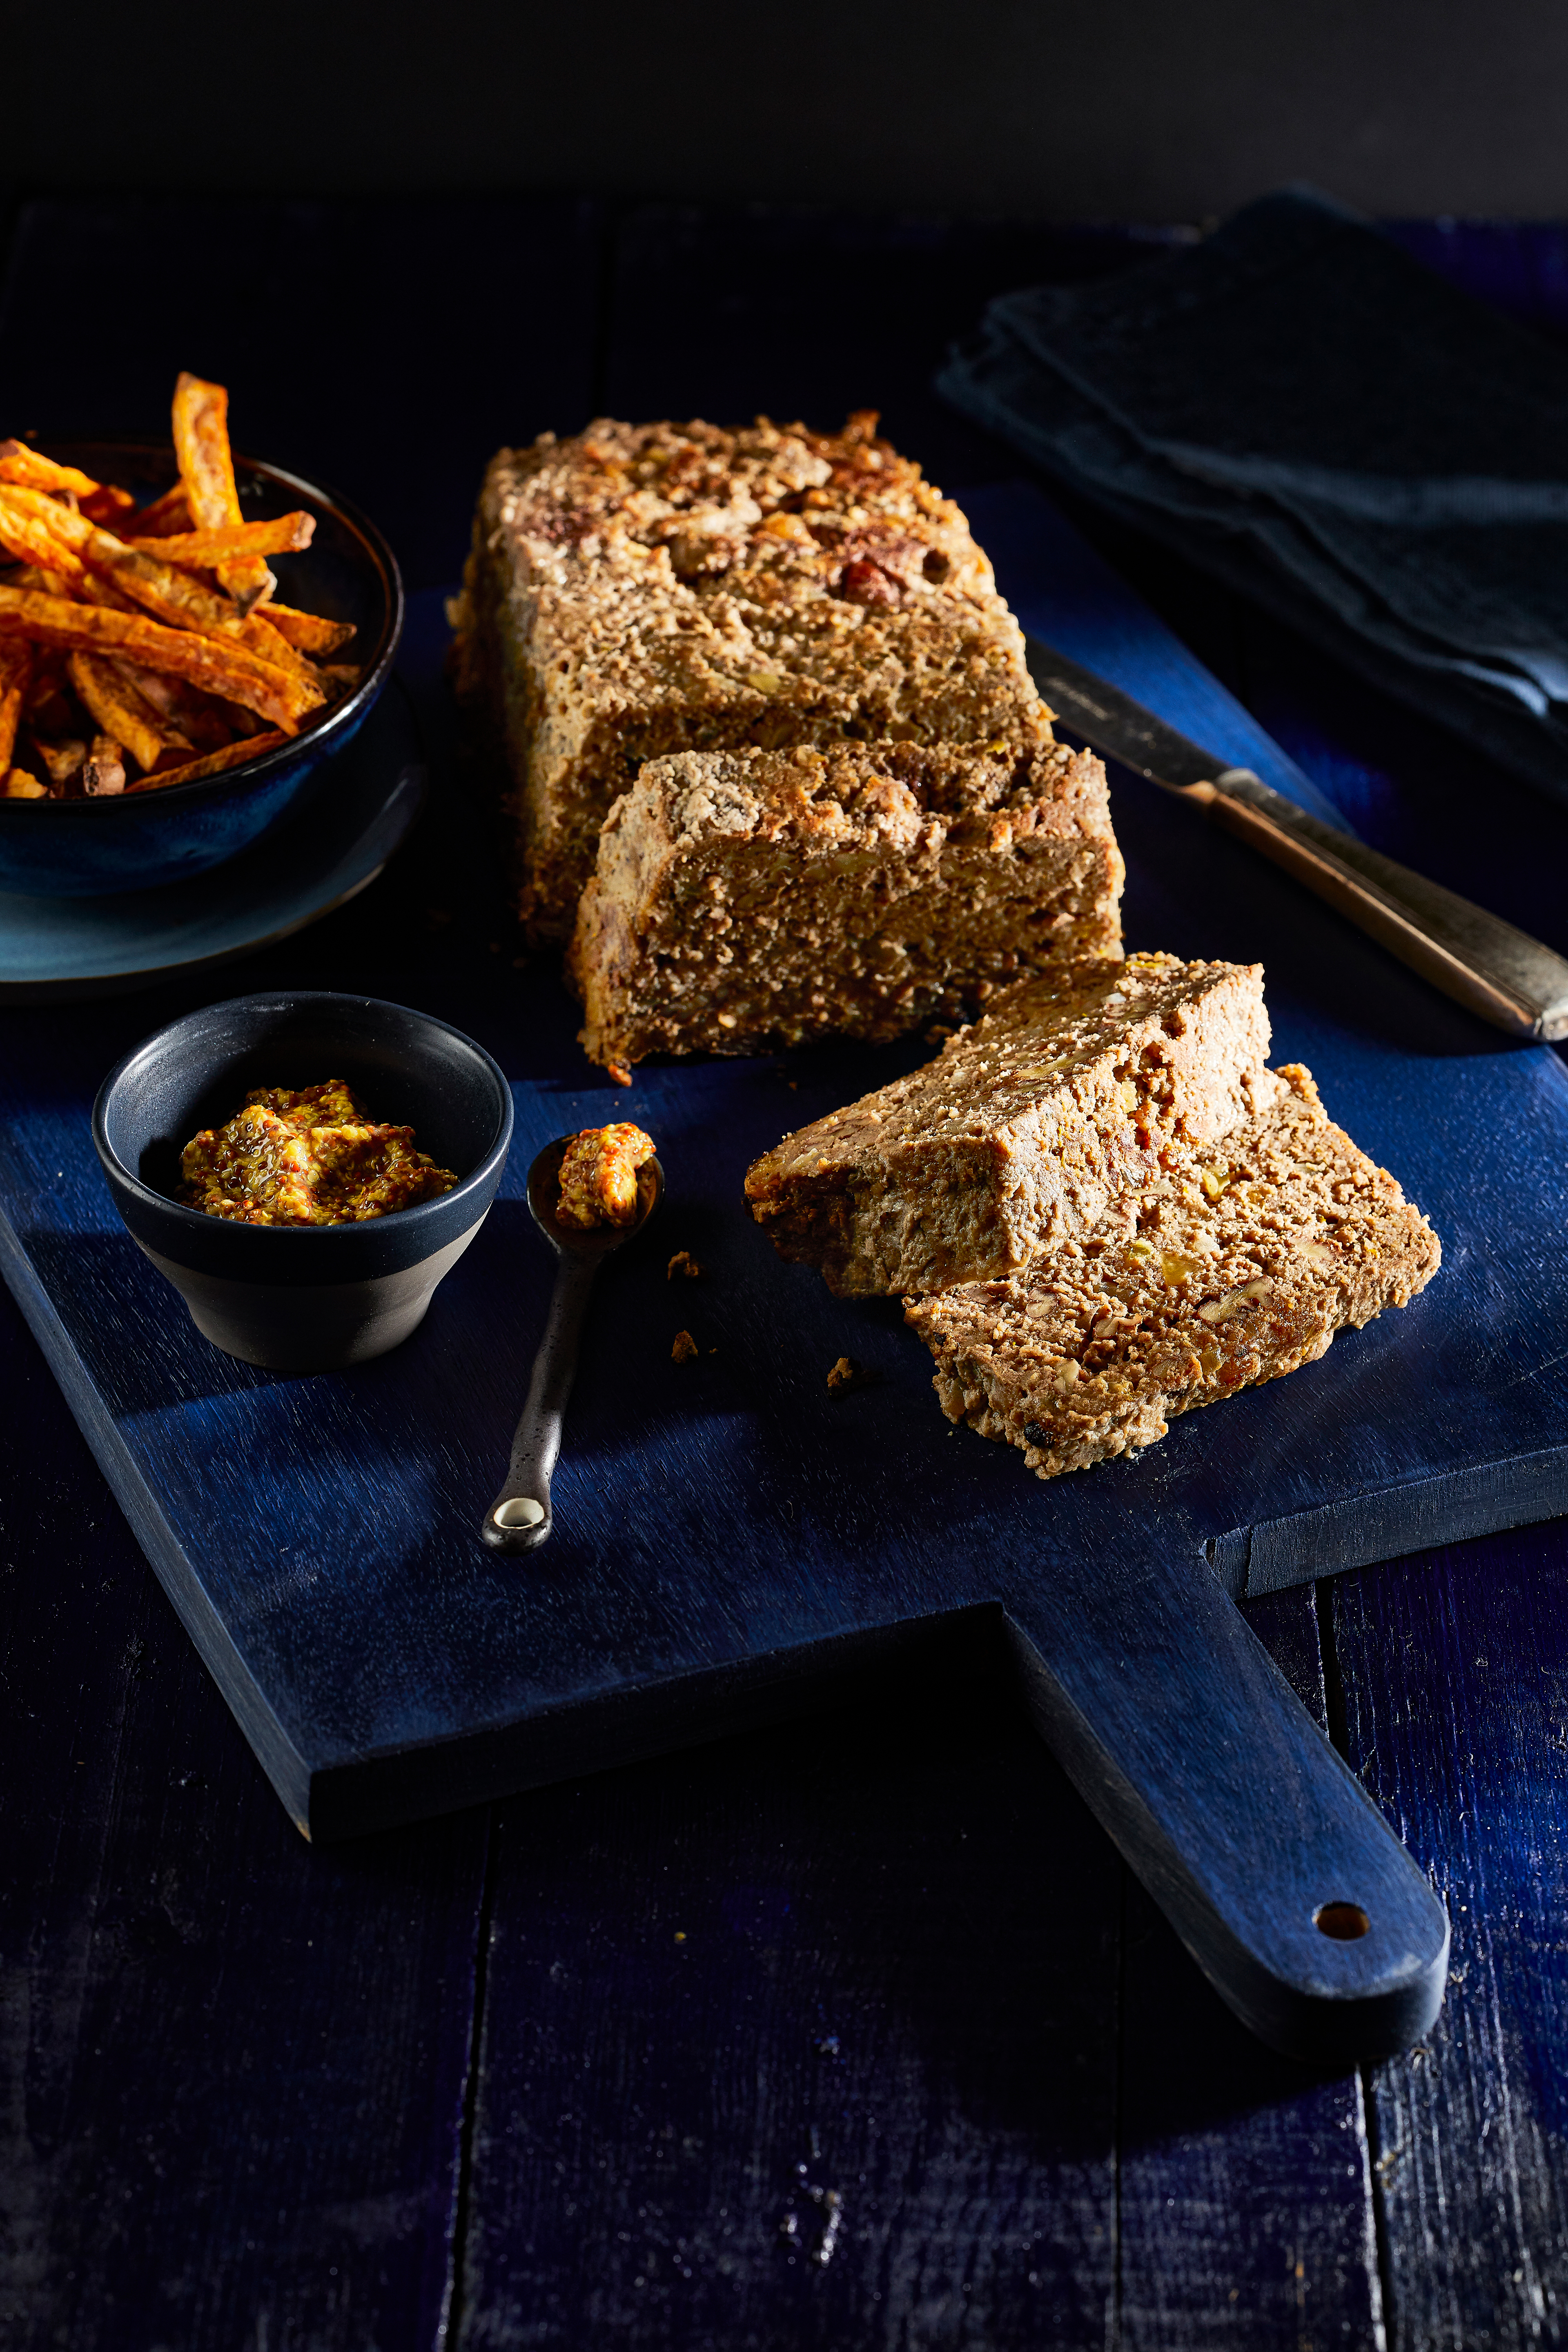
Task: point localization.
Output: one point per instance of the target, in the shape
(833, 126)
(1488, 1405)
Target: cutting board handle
(1277, 1870)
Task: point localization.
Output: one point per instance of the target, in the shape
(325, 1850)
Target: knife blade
(1514, 982)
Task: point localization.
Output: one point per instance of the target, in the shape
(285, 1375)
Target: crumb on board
(619, 1074)
(683, 1263)
(684, 1350)
(848, 1374)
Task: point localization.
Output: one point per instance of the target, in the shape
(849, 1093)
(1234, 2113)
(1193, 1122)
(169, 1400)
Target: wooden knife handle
(1240, 1818)
(1509, 979)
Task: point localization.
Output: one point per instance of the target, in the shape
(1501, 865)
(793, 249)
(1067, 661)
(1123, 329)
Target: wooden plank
(233, 2069)
(384, 347)
(1243, 2186)
(899, 1932)
(806, 2040)
(1455, 1674)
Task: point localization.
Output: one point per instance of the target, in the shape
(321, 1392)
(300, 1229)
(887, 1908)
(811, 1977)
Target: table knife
(1502, 974)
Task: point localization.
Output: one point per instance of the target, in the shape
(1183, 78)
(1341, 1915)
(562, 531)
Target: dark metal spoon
(520, 1519)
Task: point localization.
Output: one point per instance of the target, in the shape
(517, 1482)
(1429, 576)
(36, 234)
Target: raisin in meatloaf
(1283, 1234)
(1073, 1089)
(645, 589)
(747, 900)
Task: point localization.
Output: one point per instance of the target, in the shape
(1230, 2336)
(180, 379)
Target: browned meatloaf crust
(643, 589)
(748, 899)
(1073, 1089)
(1285, 1234)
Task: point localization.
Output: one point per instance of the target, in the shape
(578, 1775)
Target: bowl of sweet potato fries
(187, 639)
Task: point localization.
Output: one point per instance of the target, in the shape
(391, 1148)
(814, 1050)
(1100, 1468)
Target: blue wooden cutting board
(731, 1540)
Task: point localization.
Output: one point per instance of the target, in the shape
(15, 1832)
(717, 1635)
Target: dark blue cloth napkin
(1296, 405)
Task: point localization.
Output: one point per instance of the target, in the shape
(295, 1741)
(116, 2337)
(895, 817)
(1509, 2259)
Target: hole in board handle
(1343, 1921)
(521, 1511)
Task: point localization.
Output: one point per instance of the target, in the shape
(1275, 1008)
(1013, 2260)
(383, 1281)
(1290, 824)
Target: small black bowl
(303, 1297)
(138, 841)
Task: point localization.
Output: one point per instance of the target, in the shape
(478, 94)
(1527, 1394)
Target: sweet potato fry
(214, 764)
(87, 589)
(18, 660)
(159, 630)
(201, 445)
(185, 709)
(104, 770)
(62, 761)
(206, 469)
(122, 710)
(108, 505)
(165, 516)
(248, 580)
(94, 590)
(19, 785)
(217, 664)
(308, 631)
(243, 721)
(169, 594)
(256, 632)
(182, 601)
(28, 532)
(283, 536)
(21, 464)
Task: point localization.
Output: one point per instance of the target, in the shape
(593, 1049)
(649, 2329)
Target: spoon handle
(521, 1519)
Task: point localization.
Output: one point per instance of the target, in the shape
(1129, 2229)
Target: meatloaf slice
(1282, 1234)
(643, 589)
(1073, 1089)
(749, 899)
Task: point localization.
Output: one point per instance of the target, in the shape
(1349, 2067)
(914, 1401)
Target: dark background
(459, 2085)
(1071, 109)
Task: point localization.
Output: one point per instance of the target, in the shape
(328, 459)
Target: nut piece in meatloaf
(1073, 1089)
(744, 899)
(1206, 1286)
(643, 589)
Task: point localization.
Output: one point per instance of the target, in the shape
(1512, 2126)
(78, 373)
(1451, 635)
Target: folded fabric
(1332, 429)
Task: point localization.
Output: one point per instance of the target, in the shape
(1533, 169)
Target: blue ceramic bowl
(75, 849)
(303, 1298)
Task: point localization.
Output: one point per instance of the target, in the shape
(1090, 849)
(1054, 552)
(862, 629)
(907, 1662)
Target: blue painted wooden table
(851, 2033)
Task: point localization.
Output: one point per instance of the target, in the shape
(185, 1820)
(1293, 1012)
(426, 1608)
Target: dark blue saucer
(313, 860)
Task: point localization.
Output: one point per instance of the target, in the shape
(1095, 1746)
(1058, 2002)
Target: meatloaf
(748, 899)
(645, 589)
(1282, 1234)
(1073, 1089)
